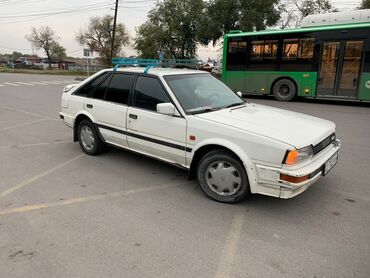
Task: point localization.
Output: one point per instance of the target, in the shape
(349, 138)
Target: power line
(70, 10)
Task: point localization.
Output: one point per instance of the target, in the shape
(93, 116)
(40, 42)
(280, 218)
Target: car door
(109, 107)
(150, 132)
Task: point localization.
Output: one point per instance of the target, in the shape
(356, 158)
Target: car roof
(160, 71)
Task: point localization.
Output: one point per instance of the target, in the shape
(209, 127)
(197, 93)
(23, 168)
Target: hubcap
(284, 90)
(223, 178)
(87, 138)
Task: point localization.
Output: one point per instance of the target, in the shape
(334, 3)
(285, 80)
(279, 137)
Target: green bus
(331, 61)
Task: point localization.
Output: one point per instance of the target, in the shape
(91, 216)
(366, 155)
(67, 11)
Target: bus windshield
(200, 93)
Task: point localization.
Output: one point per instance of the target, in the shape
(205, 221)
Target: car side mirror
(166, 108)
(239, 93)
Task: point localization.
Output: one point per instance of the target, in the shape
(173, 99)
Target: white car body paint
(259, 135)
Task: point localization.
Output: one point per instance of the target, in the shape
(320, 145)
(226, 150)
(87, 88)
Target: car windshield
(200, 93)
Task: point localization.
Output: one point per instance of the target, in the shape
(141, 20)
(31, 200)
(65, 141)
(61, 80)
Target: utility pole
(114, 30)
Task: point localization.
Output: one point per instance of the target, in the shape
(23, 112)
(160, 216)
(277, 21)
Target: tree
(295, 10)
(173, 27)
(247, 15)
(98, 37)
(43, 38)
(58, 52)
(365, 4)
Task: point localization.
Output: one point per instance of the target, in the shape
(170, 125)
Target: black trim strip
(112, 129)
(160, 142)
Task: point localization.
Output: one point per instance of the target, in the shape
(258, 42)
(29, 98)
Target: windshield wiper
(205, 110)
(235, 104)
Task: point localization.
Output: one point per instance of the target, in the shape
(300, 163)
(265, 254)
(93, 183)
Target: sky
(67, 17)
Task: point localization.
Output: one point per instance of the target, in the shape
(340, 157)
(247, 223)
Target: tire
(284, 90)
(92, 144)
(227, 182)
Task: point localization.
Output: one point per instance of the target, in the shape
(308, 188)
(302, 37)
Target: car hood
(296, 129)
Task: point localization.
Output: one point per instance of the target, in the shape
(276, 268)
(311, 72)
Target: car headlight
(295, 156)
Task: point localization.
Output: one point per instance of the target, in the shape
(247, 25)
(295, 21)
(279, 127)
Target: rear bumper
(68, 120)
(268, 178)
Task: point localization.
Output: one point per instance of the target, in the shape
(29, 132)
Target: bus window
(236, 54)
(306, 47)
(290, 49)
(257, 50)
(270, 51)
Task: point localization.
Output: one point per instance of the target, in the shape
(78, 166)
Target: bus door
(340, 68)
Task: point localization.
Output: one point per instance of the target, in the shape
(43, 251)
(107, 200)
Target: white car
(190, 119)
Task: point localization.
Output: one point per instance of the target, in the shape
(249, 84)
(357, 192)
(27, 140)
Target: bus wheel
(284, 90)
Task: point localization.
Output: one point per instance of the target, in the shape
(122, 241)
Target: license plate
(330, 163)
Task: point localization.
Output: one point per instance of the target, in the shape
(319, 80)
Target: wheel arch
(80, 117)
(210, 145)
(281, 78)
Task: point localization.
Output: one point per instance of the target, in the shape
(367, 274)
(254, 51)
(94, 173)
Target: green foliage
(58, 52)
(177, 27)
(173, 27)
(98, 37)
(221, 17)
(365, 4)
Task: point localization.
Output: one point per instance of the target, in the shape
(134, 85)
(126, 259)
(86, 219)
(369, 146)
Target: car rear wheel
(222, 177)
(284, 90)
(89, 139)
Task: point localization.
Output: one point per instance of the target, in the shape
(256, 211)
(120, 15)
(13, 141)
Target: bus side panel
(256, 82)
(261, 82)
(234, 79)
(364, 88)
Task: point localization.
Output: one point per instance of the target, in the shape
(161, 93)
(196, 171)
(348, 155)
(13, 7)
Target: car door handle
(132, 116)
(89, 106)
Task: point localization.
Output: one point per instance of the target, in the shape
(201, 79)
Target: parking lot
(66, 214)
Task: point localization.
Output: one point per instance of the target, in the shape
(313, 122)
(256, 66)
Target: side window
(290, 49)
(87, 88)
(148, 93)
(99, 92)
(119, 88)
(264, 50)
(236, 58)
(302, 49)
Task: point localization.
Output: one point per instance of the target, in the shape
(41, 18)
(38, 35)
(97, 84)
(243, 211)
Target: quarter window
(119, 88)
(87, 88)
(99, 92)
(148, 93)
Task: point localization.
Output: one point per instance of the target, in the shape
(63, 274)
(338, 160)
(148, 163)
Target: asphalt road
(66, 214)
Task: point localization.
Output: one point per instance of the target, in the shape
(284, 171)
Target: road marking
(1, 85)
(83, 199)
(24, 124)
(39, 83)
(11, 84)
(231, 244)
(27, 84)
(50, 82)
(30, 113)
(34, 144)
(39, 176)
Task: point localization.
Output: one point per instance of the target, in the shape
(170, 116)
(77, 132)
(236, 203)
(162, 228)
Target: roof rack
(150, 63)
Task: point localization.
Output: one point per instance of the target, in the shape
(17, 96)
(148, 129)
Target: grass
(51, 72)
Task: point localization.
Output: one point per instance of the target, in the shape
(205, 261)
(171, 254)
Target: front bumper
(268, 180)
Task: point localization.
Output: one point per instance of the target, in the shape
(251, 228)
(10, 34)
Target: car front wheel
(222, 177)
(89, 139)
